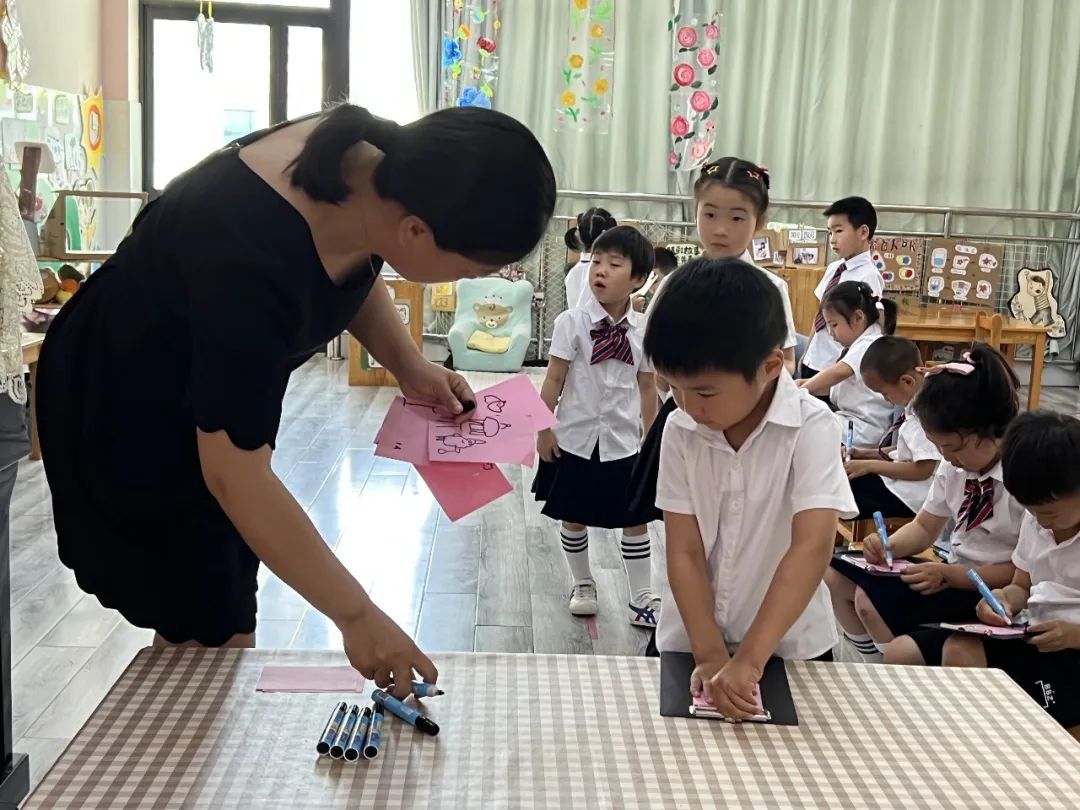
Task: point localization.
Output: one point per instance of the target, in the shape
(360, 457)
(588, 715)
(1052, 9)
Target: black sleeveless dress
(197, 321)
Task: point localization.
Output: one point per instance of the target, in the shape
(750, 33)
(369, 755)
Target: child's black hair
(590, 224)
(891, 357)
(849, 297)
(630, 243)
(1040, 457)
(859, 211)
(742, 175)
(715, 315)
(665, 261)
(431, 168)
(982, 403)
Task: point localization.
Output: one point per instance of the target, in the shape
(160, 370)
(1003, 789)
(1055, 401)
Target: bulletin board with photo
(805, 247)
(962, 272)
(899, 259)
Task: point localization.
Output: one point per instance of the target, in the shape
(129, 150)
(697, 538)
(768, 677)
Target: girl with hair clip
(590, 224)
(855, 318)
(965, 408)
(163, 493)
(731, 198)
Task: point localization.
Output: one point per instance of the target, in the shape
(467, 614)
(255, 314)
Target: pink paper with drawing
(463, 488)
(898, 566)
(486, 439)
(404, 432)
(517, 403)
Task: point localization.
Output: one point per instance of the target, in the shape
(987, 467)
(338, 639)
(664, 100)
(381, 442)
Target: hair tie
(879, 305)
(963, 369)
(710, 169)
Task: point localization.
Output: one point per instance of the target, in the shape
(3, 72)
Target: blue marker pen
(371, 746)
(426, 689)
(356, 744)
(337, 750)
(988, 595)
(406, 713)
(330, 733)
(883, 533)
(849, 439)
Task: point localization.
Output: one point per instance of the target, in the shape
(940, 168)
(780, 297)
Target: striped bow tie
(611, 343)
(978, 503)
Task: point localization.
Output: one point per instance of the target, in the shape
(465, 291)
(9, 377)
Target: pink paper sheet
(486, 440)
(987, 630)
(897, 567)
(515, 402)
(309, 679)
(462, 488)
(404, 432)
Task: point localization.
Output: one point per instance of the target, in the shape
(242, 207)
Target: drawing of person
(1034, 300)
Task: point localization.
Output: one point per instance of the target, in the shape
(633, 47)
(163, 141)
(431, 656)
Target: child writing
(666, 263)
(852, 222)
(893, 478)
(750, 482)
(599, 384)
(1041, 465)
(856, 317)
(965, 408)
(731, 197)
(590, 224)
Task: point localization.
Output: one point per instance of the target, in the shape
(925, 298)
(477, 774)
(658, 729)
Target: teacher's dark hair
(478, 178)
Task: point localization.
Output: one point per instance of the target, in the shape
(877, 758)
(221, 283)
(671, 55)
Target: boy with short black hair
(1041, 467)
(852, 222)
(751, 484)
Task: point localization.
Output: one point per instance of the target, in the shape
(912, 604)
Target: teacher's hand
(381, 651)
(428, 382)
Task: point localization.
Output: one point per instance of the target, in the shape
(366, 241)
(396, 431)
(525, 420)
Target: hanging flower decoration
(673, 159)
(700, 100)
(468, 53)
(684, 75)
(680, 127)
(600, 86)
(585, 93)
(464, 31)
(568, 99)
(451, 53)
(472, 97)
(712, 31)
(581, 5)
(576, 61)
(695, 50)
(486, 45)
(597, 31)
(687, 36)
(699, 148)
(706, 57)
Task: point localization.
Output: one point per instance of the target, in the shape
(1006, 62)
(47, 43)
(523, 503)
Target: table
(959, 327)
(31, 349)
(185, 728)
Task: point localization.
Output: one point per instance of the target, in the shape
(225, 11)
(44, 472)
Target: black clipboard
(675, 698)
(842, 554)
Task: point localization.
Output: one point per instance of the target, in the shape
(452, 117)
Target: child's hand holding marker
(987, 615)
(992, 599)
(873, 550)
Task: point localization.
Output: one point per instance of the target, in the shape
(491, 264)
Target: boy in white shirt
(750, 482)
(1041, 463)
(852, 222)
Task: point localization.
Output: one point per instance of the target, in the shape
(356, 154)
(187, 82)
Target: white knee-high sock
(575, 546)
(637, 559)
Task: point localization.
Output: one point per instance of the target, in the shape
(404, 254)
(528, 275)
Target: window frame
(333, 21)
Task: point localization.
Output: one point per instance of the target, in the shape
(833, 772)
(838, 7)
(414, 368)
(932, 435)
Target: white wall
(64, 40)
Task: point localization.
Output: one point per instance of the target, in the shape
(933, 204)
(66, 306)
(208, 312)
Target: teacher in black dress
(160, 383)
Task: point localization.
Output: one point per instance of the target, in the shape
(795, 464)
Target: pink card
(517, 403)
(404, 432)
(483, 439)
(309, 679)
(897, 569)
(460, 488)
(704, 707)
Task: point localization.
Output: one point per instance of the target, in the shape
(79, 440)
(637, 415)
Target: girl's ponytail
(591, 224)
(849, 297)
(974, 395)
(318, 170)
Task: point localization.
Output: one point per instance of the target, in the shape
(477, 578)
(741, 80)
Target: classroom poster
(469, 57)
(684, 251)
(695, 31)
(1035, 301)
(588, 68)
(963, 272)
(899, 259)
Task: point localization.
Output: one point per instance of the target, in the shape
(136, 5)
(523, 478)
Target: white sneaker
(645, 614)
(583, 599)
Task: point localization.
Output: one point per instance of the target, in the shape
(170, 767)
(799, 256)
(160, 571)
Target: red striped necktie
(890, 434)
(978, 504)
(610, 342)
(819, 321)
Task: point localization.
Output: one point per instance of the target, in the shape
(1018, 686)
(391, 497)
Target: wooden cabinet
(801, 282)
(409, 301)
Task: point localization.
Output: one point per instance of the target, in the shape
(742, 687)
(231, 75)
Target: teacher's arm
(282, 536)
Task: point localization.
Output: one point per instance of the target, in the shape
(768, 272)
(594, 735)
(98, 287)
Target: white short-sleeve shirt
(1055, 573)
(577, 283)
(744, 503)
(993, 540)
(870, 413)
(599, 403)
(911, 445)
(823, 350)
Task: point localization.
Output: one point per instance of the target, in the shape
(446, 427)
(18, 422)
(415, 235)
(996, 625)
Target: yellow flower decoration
(568, 99)
(464, 32)
(576, 60)
(581, 4)
(600, 87)
(498, 25)
(597, 31)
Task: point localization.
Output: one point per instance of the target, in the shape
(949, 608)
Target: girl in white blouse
(590, 224)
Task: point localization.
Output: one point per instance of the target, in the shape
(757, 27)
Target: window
(272, 60)
(382, 76)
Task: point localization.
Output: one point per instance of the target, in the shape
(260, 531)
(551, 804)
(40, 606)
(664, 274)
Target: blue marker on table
(426, 690)
(337, 750)
(371, 746)
(330, 733)
(883, 533)
(988, 595)
(849, 438)
(406, 713)
(356, 744)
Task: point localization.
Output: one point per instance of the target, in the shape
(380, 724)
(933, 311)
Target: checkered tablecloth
(186, 729)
